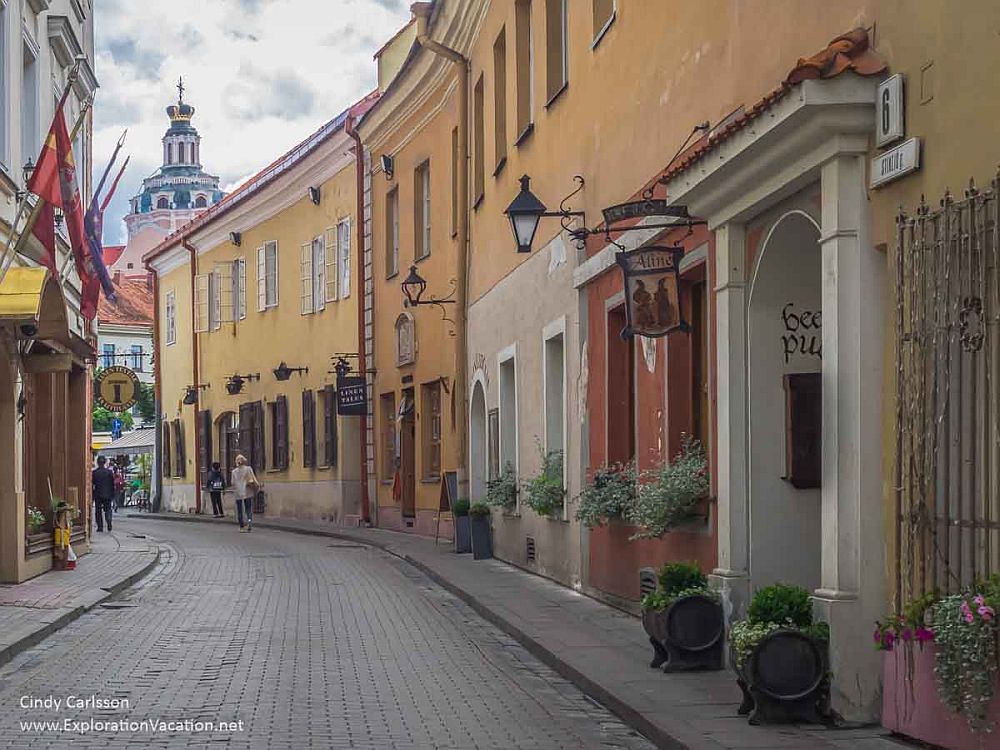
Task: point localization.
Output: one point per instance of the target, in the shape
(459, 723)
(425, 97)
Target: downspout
(422, 12)
(154, 501)
(195, 369)
(359, 170)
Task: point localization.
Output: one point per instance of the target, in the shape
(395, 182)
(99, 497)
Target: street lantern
(234, 384)
(283, 372)
(654, 306)
(413, 287)
(524, 213)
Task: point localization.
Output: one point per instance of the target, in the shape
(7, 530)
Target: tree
(102, 419)
(147, 402)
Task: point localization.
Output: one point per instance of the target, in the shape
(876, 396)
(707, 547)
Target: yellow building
(256, 305)
(413, 137)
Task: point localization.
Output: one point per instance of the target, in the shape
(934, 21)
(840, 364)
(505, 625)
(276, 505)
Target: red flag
(54, 181)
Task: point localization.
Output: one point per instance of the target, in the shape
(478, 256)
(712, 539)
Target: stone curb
(39, 634)
(627, 713)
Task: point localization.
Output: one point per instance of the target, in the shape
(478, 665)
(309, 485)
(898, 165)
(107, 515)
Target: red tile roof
(112, 253)
(134, 306)
(850, 51)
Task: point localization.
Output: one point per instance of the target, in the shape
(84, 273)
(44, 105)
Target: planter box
(911, 706)
(687, 635)
(463, 534)
(482, 541)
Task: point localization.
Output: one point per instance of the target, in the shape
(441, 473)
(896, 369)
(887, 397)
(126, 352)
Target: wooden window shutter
(204, 443)
(179, 456)
(803, 429)
(201, 302)
(308, 429)
(261, 280)
(259, 459)
(330, 425)
(281, 432)
(246, 431)
(306, 276)
(330, 258)
(166, 450)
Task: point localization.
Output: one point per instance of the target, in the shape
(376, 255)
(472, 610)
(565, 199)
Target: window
(279, 433)
(392, 233)
(330, 261)
(137, 357)
(329, 426)
(313, 276)
(162, 203)
(171, 316)
(344, 254)
(200, 202)
(180, 153)
(525, 66)
(30, 136)
(500, 100)
(604, 14)
(620, 390)
(108, 358)
(308, 428)
(202, 299)
(267, 276)
(165, 450)
(387, 409)
(215, 295)
(508, 411)
(493, 427)
(432, 429)
(422, 211)
(555, 379)
(478, 144)
(180, 460)
(456, 164)
(556, 59)
(238, 283)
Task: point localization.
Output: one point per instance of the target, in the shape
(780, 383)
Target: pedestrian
(246, 485)
(103, 484)
(119, 499)
(216, 484)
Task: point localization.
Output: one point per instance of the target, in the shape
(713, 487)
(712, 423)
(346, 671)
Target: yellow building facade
(248, 339)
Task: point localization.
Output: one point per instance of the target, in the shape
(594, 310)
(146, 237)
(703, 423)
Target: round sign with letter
(116, 388)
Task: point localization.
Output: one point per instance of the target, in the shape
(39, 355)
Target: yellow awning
(31, 296)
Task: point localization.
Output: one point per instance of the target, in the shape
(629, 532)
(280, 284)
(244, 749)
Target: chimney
(149, 280)
(117, 278)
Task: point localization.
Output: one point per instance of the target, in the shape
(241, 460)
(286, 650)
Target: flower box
(687, 634)
(911, 706)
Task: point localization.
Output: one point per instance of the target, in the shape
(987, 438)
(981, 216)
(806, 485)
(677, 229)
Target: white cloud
(261, 74)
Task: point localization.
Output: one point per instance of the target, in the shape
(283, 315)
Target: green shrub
(545, 493)
(460, 508)
(502, 491)
(655, 600)
(679, 576)
(783, 604)
(609, 495)
(669, 496)
(478, 510)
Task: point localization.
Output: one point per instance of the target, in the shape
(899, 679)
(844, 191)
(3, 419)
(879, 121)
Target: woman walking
(246, 485)
(216, 484)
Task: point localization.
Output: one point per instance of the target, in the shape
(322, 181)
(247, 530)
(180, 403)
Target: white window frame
(331, 260)
(305, 278)
(555, 329)
(239, 285)
(344, 256)
(319, 273)
(201, 302)
(171, 316)
(425, 187)
(393, 239)
(508, 354)
(267, 283)
(137, 354)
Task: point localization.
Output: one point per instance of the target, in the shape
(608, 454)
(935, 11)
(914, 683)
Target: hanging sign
(642, 209)
(352, 396)
(116, 388)
(652, 292)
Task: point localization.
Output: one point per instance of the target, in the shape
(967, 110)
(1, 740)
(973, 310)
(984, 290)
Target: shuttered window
(306, 278)
(344, 253)
(279, 433)
(240, 288)
(329, 426)
(246, 432)
(201, 303)
(267, 275)
(171, 304)
(259, 461)
(165, 448)
(330, 253)
(308, 429)
(179, 454)
(431, 419)
(204, 444)
(261, 281)
(226, 292)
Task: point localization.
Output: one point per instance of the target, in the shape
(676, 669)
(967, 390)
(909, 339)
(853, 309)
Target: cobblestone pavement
(309, 642)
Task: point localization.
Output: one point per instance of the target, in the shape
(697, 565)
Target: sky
(261, 75)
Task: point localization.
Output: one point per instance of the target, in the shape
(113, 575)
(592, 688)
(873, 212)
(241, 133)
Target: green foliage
(460, 508)
(669, 496)
(36, 519)
(146, 402)
(479, 510)
(608, 496)
(545, 493)
(745, 635)
(781, 603)
(102, 419)
(655, 600)
(502, 491)
(678, 576)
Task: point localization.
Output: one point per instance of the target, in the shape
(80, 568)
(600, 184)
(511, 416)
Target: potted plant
(501, 492)
(609, 495)
(479, 522)
(780, 658)
(36, 520)
(683, 619)
(545, 493)
(463, 531)
(671, 495)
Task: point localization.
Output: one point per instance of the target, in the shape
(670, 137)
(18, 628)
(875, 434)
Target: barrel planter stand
(463, 534)
(686, 635)
(482, 542)
(786, 679)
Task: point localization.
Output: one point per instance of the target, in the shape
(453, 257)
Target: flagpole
(22, 238)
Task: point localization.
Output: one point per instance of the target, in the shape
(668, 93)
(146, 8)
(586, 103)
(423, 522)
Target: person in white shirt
(246, 486)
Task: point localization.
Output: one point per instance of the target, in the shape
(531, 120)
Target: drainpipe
(359, 170)
(154, 500)
(195, 369)
(422, 12)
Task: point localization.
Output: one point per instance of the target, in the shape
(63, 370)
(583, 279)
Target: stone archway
(477, 443)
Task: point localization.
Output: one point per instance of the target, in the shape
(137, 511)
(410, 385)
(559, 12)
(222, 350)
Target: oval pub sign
(116, 388)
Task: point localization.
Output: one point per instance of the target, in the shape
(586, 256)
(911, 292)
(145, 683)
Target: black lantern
(28, 169)
(413, 287)
(235, 382)
(524, 212)
(283, 372)
(652, 291)
(191, 394)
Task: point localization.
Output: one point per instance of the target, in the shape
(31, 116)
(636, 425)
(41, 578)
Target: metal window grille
(529, 551)
(947, 453)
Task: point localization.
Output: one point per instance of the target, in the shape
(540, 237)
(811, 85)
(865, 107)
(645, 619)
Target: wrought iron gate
(947, 462)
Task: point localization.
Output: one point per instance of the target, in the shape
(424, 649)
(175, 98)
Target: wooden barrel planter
(786, 679)
(687, 634)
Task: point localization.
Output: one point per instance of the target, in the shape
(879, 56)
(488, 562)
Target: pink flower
(877, 636)
(964, 606)
(969, 617)
(890, 638)
(979, 600)
(924, 634)
(906, 635)
(986, 612)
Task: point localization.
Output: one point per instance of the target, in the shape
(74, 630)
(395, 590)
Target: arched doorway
(784, 325)
(227, 437)
(477, 443)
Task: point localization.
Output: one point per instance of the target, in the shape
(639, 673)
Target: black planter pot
(786, 679)
(482, 541)
(463, 534)
(687, 635)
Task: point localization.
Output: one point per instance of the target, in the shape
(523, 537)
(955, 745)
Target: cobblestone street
(309, 642)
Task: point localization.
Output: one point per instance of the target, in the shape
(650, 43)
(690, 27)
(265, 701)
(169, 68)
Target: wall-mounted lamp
(414, 287)
(58, 216)
(314, 195)
(26, 171)
(236, 238)
(283, 372)
(387, 165)
(191, 394)
(526, 210)
(234, 384)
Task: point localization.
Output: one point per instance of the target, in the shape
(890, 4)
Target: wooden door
(408, 458)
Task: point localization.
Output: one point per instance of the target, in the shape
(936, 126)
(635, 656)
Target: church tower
(177, 192)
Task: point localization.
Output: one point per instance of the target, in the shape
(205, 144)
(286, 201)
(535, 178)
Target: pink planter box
(914, 709)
